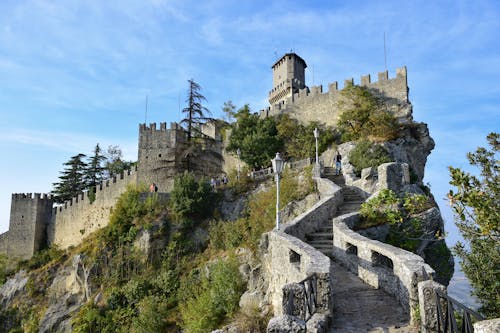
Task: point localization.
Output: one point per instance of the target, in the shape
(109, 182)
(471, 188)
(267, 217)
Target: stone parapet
(380, 265)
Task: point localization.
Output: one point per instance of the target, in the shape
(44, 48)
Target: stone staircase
(358, 307)
(322, 239)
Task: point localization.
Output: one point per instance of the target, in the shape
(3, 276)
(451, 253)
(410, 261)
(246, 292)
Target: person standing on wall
(338, 163)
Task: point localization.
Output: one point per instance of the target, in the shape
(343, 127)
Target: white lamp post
(238, 152)
(316, 136)
(277, 169)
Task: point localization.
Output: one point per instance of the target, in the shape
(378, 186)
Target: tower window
(159, 155)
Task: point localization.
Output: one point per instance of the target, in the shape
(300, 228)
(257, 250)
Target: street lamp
(238, 152)
(316, 136)
(277, 169)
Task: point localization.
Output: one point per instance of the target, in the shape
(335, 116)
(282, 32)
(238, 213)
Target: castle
(164, 152)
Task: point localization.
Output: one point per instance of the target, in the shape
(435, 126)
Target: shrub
(382, 209)
(152, 315)
(366, 155)
(190, 198)
(363, 116)
(416, 203)
(209, 298)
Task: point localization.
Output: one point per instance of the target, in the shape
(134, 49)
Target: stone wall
(378, 264)
(29, 215)
(76, 219)
(314, 105)
(287, 259)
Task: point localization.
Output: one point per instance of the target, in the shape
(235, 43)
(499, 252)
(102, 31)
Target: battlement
(163, 127)
(385, 87)
(31, 196)
(101, 190)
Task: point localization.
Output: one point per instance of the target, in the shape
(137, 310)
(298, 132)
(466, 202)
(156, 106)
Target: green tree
(228, 109)
(476, 205)
(195, 112)
(72, 179)
(257, 138)
(95, 171)
(114, 163)
(298, 139)
(190, 198)
(363, 116)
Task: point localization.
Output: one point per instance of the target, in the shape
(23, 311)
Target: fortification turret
(288, 77)
(160, 156)
(29, 216)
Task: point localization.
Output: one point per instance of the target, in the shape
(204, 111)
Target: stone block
(487, 326)
(427, 304)
(286, 324)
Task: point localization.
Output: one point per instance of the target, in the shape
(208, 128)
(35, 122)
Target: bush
(209, 298)
(190, 198)
(366, 155)
(41, 258)
(152, 317)
(363, 116)
(382, 209)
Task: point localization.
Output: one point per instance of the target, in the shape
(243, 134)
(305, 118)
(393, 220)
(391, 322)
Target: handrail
(446, 319)
(310, 285)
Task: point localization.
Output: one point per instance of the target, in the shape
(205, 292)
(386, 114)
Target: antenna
(146, 112)
(385, 54)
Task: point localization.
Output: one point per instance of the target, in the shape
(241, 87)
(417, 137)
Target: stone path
(358, 307)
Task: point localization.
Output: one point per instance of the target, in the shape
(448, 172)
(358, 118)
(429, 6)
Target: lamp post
(277, 169)
(238, 152)
(316, 136)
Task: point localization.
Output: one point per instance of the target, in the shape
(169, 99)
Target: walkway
(358, 307)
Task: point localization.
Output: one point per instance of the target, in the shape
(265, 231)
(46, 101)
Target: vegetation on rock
(475, 202)
(363, 116)
(367, 154)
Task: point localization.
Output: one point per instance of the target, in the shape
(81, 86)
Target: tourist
(338, 163)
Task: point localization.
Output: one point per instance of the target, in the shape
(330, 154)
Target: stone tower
(160, 154)
(288, 77)
(29, 216)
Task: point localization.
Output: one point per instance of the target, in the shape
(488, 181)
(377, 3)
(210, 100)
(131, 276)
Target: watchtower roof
(291, 54)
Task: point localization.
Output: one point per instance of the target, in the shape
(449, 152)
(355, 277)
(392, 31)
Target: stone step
(317, 236)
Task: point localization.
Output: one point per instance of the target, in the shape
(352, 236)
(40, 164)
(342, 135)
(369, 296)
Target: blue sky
(76, 73)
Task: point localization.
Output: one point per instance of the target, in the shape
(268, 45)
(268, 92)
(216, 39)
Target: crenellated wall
(71, 222)
(315, 105)
(29, 215)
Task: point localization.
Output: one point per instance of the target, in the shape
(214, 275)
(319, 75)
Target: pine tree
(72, 179)
(195, 112)
(95, 171)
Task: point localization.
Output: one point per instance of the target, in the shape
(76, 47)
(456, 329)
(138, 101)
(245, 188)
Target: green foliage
(72, 179)
(42, 258)
(299, 141)
(256, 137)
(363, 116)
(195, 112)
(382, 209)
(416, 203)
(367, 154)
(190, 198)
(3, 268)
(209, 298)
(477, 211)
(153, 311)
(261, 214)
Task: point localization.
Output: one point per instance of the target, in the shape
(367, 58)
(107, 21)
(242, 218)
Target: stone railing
(300, 276)
(380, 265)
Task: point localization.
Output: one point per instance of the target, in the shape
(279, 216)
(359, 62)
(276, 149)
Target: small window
(351, 249)
(379, 260)
(159, 155)
(295, 259)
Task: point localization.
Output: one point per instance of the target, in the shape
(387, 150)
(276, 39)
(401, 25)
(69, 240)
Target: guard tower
(288, 77)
